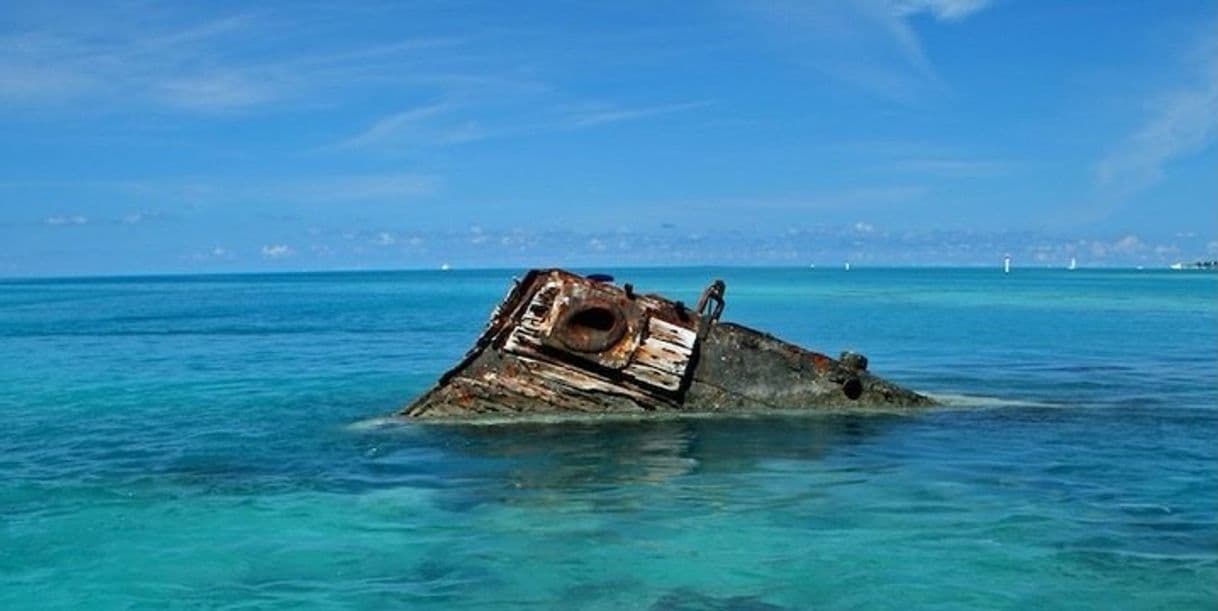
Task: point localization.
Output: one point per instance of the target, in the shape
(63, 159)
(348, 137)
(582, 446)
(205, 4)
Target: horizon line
(854, 267)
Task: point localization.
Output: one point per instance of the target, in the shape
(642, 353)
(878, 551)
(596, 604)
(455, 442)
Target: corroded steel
(563, 343)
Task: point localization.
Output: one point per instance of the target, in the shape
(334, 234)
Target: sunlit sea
(219, 442)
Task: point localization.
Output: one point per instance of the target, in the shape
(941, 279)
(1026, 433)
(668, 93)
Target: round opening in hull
(591, 327)
(853, 389)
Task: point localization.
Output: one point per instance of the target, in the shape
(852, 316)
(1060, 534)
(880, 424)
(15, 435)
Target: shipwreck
(561, 343)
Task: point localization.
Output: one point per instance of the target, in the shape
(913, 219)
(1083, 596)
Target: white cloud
(1127, 244)
(277, 251)
(384, 238)
(216, 253)
(74, 219)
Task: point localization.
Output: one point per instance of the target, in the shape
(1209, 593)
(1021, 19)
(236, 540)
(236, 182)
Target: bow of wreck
(562, 343)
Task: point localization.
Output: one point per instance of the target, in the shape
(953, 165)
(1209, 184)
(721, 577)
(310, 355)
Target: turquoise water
(205, 442)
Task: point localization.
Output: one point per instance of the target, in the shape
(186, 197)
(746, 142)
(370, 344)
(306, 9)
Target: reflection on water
(523, 460)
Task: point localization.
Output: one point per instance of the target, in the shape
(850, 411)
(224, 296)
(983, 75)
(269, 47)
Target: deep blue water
(209, 442)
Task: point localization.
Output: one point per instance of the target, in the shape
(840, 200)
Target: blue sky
(157, 137)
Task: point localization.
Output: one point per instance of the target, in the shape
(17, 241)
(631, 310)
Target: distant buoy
(445, 267)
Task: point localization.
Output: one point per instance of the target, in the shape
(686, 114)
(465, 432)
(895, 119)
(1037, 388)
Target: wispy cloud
(217, 90)
(49, 63)
(946, 167)
(946, 10)
(397, 126)
(868, 44)
(1181, 121)
(592, 118)
(455, 123)
(130, 57)
(386, 186)
(921, 158)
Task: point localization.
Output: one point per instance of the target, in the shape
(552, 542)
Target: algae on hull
(561, 343)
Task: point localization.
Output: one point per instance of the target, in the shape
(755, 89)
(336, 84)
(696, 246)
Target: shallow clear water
(213, 442)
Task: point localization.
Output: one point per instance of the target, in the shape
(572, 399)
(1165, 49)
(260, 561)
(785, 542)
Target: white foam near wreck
(951, 400)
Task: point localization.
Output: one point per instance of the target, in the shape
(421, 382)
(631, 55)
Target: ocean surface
(218, 442)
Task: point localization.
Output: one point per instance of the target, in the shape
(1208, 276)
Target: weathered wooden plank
(521, 387)
(653, 377)
(532, 320)
(659, 344)
(568, 376)
(526, 337)
(668, 332)
(661, 356)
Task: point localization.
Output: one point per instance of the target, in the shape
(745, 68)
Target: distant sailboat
(1006, 264)
(847, 266)
(1073, 264)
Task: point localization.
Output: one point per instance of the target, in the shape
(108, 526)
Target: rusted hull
(561, 343)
